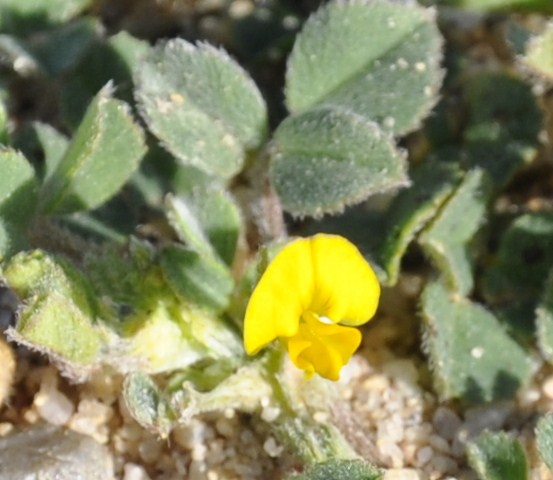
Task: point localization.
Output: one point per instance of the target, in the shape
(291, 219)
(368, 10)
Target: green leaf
(110, 60)
(146, 404)
(53, 143)
(18, 188)
(497, 456)
(432, 183)
(4, 133)
(12, 239)
(197, 279)
(208, 220)
(503, 125)
(53, 324)
(501, 158)
(28, 16)
(61, 49)
(325, 159)
(539, 53)
(544, 439)
(339, 469)
(101, 157)
(544, 320)
(472, 357)
(447, 239)
(392, 79)
(523, 260)
(502, 107)
(58, 309)
(543, 6)
(203, 107)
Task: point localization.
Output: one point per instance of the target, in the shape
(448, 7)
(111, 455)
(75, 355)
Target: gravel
(413, 434)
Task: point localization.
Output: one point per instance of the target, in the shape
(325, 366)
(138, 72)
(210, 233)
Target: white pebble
(439, 443)
(272, 448)
(320, 417)
(270, 414)
(225, 427)
(378, 383)
(529, 396)
(198, 452)
(132, 471)
(418, 433)
(446, 422)
(424, 455)
(401, 474)
(443, 464)
(53, 406)
(547, 387)
(492, 417)
(391, 452)
(149, 449)
(391, 429)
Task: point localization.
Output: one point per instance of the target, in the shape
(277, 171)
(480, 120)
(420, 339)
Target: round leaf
(377, 58)
(201, 105)
(325, 159)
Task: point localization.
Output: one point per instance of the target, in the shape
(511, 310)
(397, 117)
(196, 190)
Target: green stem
(313, 441)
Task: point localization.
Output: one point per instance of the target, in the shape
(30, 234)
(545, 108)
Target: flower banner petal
(283, 293)
(346, 288)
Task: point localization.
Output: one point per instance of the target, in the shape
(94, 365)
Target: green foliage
(500, 5)
(195, 278)
(18, 197)
(503, 125)
(146, 404)
(447, 238)
(64, 47)
(432, 184)
(201, 105)
(58, 311)
(120, 53)
(25, 16)
(498, 456)
(327, 158)
(335, 469)
(53, 144)
(472, 357)
(18, 187)
(544, 437)
(208, 220)
(522, 261)
(4, 135)
(400, 54)
(87, 175)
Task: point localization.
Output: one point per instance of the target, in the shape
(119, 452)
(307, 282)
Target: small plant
(148, 213)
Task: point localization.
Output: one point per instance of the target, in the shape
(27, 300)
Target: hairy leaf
(325, 159)
(202, 106)
(378, 59)
(472, 356)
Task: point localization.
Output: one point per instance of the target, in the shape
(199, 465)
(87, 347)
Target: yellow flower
(311, 295)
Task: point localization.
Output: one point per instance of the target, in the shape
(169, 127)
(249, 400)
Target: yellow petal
(283, 293)
(346, 288)
(323, 348)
